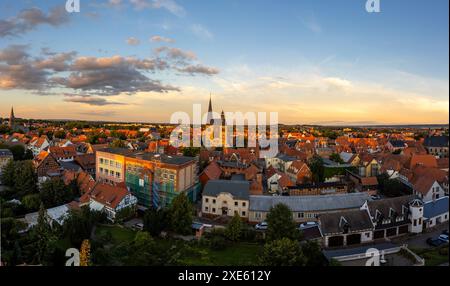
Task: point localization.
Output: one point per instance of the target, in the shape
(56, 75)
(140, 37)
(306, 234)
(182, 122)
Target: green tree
(44, 246)
(31, 202)
(181, 215)
(18, 152)
(336, 158)
(54, 192)
(234, 228)
(61, 134)
(315, 164)
(155, 221)
(191, 151)
(25, 178)
(283, 252)
(141, 251)
(313, 254)
(117, 143)
(8, 174)
(281, 223)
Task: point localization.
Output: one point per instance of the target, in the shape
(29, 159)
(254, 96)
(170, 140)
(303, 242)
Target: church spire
(11, 118)
(210, 117)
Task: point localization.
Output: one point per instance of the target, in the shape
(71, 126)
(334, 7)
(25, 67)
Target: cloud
(57, 62)
(133, 41)
(169, 5)
(176, 53)
(201, 32)
(199, 69)
(94, 101)
(14, 54)
(29, 19)
(161, 39)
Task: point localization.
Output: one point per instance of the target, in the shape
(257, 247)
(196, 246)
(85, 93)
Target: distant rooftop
(147, 156)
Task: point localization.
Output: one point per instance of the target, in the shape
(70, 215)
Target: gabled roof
(436, 141)
(435, 208)
(63, 152)
(310, 203)
(423, 160)
(109, 195)
(213, 171)
(355, 220)
(384, 206)
(238, 189)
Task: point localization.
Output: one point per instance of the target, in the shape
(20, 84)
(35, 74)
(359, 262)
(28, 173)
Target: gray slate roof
(5, 153)
(310, 203)
(357, 220)
(436, 141)
(433, 209)
(238, 189)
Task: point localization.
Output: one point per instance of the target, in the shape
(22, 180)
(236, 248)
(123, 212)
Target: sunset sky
(313, 61)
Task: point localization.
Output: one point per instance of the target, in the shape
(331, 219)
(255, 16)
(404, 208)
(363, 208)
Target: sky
(313, 61)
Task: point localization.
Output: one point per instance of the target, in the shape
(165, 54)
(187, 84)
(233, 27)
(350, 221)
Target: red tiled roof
(109, 195)
(423, 160)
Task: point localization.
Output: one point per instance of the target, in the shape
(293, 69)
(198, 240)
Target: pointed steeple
(210, 118)
(11, 118)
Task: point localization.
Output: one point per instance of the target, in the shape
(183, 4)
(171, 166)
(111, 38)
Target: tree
(234, 228)
(31, 202)
(313, 254)
(315, 164)
(283, 252)
(391, 187)
(155, 221)
(280, 223)
(336, 158)
(61, 134)
(25, 178)
(141, 250)
(181, 214)
(45, 238)
(18, 152)
(78, 225)
(191, 151)
(54, 192)
(8, 172)
(117, 143)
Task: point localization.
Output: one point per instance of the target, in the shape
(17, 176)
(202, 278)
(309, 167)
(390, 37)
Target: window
(244, 204)
(214, 201)
(111, 172)
(206, 200)
(117, 175)
(213, 210)
(101, 160)
(415, 222)
(236, 204)
(111, 163)
(301, 215)
(106, 161)
(243, 213)
(101, 170)
(367, 234)
(141, 183)
(420, 220)
(118, 165)
(172, 177)
(206, 209)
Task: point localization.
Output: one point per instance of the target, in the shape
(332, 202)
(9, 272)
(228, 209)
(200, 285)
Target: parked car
(139, 226)
(444, 238)
(375, 197)
(434, 241)
(261, 226)
(308, 224)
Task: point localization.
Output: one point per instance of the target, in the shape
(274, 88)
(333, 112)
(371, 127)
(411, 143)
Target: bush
(249, 235)
(217, 243)
(443, 251)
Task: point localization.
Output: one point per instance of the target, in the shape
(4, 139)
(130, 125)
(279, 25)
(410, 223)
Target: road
(419, 241)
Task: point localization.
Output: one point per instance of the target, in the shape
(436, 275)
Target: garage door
(353, 239)
(335, 241)
(378, 234)
(403, 229)
(391, 231)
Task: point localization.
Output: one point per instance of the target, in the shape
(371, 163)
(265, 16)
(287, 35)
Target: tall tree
(315, 164)
(281, 223)
(234, 228)
(8, 174)
(54, 192)
(181, 212)
(44, 235)
(25, 178)
(283, 252)
(155, 221)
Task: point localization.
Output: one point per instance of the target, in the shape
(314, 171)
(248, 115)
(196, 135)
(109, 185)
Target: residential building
(437, 145)
(155, 179)
(110, 199)
(225, 198)
(346, 228)
(435, 212)
(305, 208)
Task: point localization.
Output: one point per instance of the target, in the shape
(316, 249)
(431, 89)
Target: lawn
(240, 254)
(118, 233)
(433, 256)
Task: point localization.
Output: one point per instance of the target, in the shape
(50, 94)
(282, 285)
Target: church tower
(11, 119)
(210, 117)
